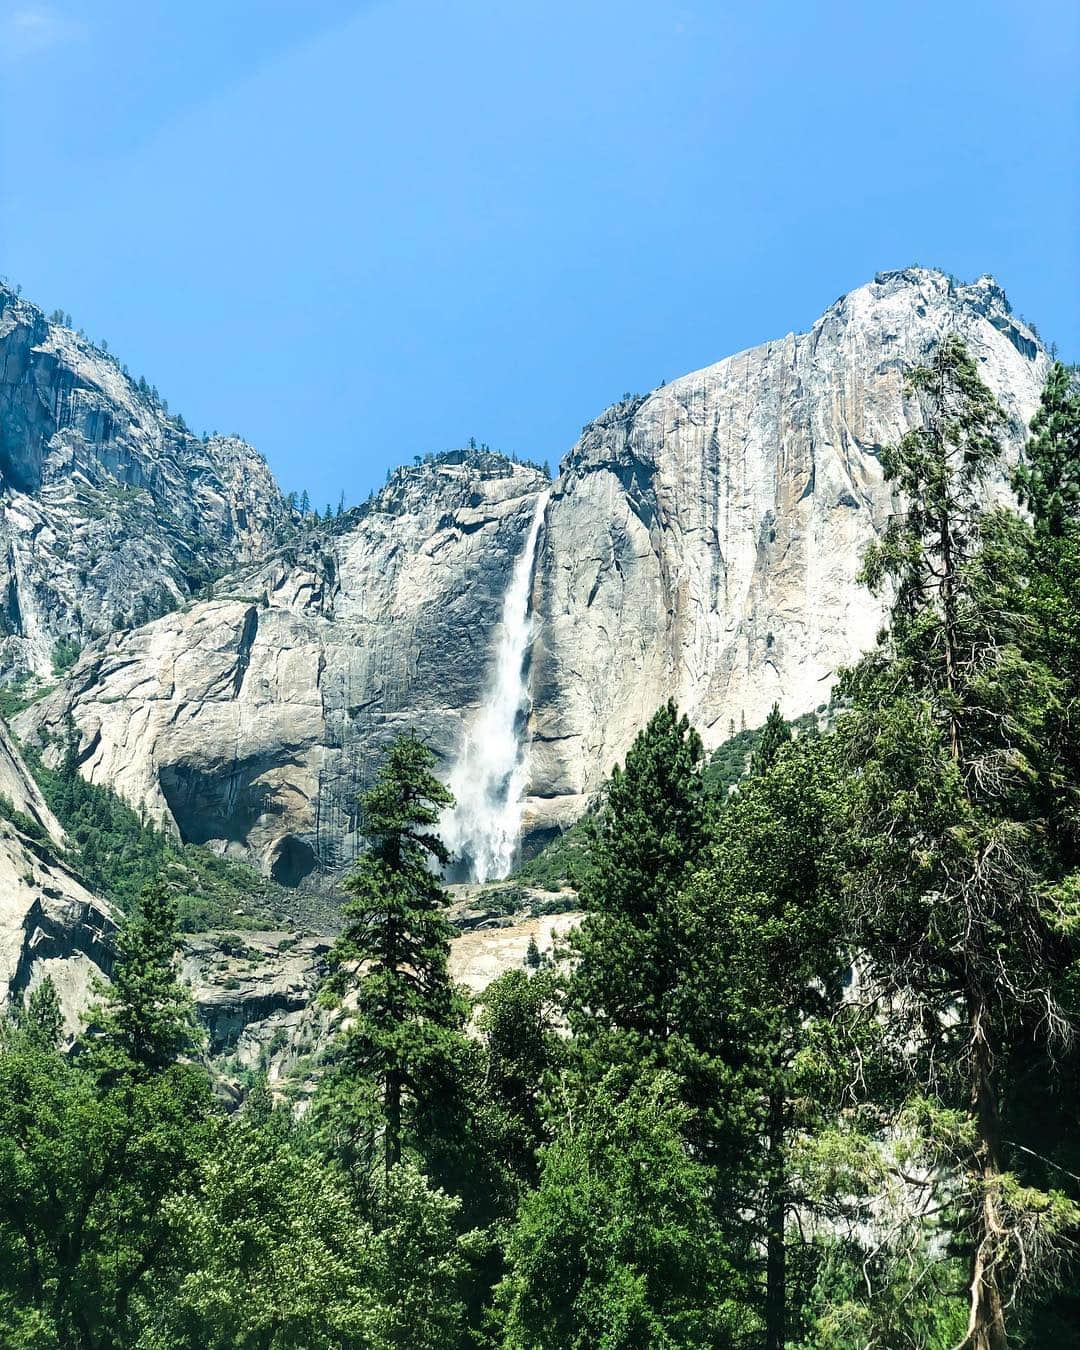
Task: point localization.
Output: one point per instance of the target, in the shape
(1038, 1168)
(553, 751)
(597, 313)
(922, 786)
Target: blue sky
(355, 232)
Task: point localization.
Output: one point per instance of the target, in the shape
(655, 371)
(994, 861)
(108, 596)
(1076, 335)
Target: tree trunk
(775, 1212)
(392, 1099)
(986, 1321)
(948, 609)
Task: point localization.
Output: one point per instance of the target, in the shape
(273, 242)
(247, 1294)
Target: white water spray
(488, 780)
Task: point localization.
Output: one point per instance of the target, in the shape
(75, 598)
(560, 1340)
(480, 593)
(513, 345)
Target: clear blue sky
(355, 232)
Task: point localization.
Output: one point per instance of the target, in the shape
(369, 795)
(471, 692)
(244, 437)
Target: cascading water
(488, 780)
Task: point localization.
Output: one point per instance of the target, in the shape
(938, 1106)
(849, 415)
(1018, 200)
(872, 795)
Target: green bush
(65, 654)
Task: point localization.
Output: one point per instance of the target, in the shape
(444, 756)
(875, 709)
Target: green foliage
(399, 1053)
(146, 1019)
(1048, 482)
(946, 834)
(25, 824)
(616, 1246)
(40, 1018)
(644, 842)
(118, 854)
(19, 694)
(275, 1253)
(732, 760)
(521, 1049)
(764, 915)
(559, 863)
(775, 734)
(87, 1171)
(65, 654)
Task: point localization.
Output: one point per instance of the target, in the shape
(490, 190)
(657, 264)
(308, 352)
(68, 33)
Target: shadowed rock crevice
(48, 936)
(243, 648)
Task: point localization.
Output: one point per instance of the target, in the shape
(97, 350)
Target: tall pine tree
(1048, 481)
(390, 964)
(649, 835)
(763, 986)
(146, 1021)
(951, 710)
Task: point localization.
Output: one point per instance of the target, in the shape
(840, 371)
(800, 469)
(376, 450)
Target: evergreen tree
(649, 834)
(774, 734)
(951, 709)
(617, 1247)
(41, 1018)
(391, 959)
(146, 1021)
(91, 1168)
(1048, 482)
(1041, 1085)
(762, 990)
(275, 1254)
(521, 1047)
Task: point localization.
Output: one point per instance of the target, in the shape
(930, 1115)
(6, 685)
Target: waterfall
(488, 780)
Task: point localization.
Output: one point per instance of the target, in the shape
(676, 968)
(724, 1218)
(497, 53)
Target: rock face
(253, 720)
(700, 543)
(50, 924)
(703, 542)
(255, 991)
(110, 510)
(250, 985)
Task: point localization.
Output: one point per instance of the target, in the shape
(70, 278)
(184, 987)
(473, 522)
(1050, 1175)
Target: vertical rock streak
(488, 779)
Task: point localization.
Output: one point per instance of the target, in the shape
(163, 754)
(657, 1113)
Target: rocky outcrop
(110, 510)
(252, 721)
(255, 991)
(50, 924)
(703, 542)
(700, 543)
(250, 982)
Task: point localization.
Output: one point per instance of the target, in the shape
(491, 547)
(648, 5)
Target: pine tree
(392, 956)
(521, 1047)
(1048, 482)
(96, 1162)
(774, 734)
(146, 1021)
(617, 1246)
(765, 967)
(951, 710)
(651, 831)
(41, 1019)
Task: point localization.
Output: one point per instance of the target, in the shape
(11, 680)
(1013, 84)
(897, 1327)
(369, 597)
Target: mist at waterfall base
(488, 780)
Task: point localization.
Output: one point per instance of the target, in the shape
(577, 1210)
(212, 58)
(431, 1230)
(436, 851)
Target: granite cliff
(252, 720)
(701, 542)
(111, 511)
(50, 924)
